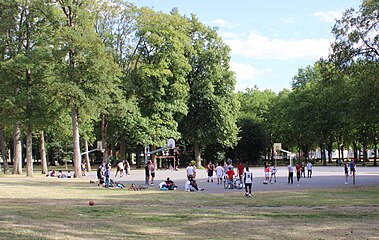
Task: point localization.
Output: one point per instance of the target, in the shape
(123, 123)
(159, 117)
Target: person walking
(290, 174)
(298, 172)
(248, 181)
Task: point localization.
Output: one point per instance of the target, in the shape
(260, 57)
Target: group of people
(104, 175)
(300, 171)
(269, 177)
(226, 171)
(352, 168)
(123, 168)
(59, 174)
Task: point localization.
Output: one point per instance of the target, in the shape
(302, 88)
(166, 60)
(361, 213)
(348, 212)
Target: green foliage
(213, 107)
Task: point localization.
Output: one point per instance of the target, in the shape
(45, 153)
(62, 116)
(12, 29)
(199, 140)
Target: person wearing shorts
(248, 181)
(219, 173)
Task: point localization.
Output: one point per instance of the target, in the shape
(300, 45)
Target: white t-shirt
(187, 186)
(120, 165)
(219, 171)
(273, 170)
(290, 168)
(309, 166)
(190, 170)
(248, 177)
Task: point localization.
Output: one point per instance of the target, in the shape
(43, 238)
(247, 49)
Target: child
(230, 174)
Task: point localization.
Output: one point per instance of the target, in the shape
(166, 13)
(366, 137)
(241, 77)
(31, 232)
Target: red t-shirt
(240, 169)
(230, 174)
(298, 168)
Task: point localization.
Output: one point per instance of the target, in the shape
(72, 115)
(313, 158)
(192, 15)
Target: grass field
(47, 208)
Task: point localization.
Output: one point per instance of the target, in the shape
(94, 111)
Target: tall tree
(87, 70)
(212, 104)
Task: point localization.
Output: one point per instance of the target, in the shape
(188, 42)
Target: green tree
(87, 72)
(212, 104)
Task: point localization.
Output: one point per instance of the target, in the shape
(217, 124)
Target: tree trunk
(197, 155)
(364, 154)
(4, 154)
(104, 138)
(17, 164)
(355, 151)
(323, 155)
(376, 150)
(29, 155)
(122, 146)
(75, 135)
(330, 153)
(42, 152)
(86, 156)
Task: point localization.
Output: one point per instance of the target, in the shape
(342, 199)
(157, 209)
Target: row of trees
(134, 77)
(333, 103)
(75, 71)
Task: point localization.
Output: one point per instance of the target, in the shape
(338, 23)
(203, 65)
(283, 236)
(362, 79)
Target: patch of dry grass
(46, 208)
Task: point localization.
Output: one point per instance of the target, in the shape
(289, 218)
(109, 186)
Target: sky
(269, 40)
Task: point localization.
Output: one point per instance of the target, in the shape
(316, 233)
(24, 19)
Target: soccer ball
(91, 203)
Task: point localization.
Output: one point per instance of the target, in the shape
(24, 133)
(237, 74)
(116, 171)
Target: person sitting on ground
(68, 174)
(191, 186)
(61, 175)
(51, 173)
(170, 185)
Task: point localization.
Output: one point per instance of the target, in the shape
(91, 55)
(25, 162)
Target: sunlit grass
(51, 208)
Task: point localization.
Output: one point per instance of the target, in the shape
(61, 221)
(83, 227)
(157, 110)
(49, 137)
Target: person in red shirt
(241, 170)
(298, 171)
(230, 174)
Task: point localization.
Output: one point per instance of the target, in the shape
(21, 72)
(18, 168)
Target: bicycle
(236, 183)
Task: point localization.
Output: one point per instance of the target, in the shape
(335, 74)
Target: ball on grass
(91, 203)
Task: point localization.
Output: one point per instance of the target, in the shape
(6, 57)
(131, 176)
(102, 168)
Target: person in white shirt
(190, 171)
(219, 173)
(309, 167)
(248, 181)
(290, 174)
(273, 174)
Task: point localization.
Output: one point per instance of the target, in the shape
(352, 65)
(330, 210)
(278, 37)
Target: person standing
(107, 175)
(210, 168)
(147, 172)
(248, 181)
(190, 171)
(353, 170)
(267, 174)
(346, 168)
(290, 174)
(309, 167)
(240, 170)
(152, 173)
(219, 173)
(273, 174)
(302, 169)
(230, 174)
